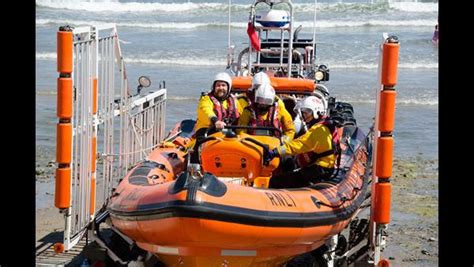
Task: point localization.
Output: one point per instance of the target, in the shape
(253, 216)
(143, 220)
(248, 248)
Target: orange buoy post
(65, 50)
(62, 196)
(385, 124)
(64, 101)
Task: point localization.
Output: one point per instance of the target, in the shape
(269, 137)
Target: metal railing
(109, 134)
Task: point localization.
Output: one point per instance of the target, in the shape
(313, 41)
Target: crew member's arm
(317, 139)
(287, 123)
(205, 113)
(244, 121)
(242, 103)
(207, 107)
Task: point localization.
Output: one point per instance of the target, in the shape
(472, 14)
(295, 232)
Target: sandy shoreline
(413, 231)
(412, 234)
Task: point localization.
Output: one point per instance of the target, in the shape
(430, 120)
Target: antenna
(230, 51)
(314, 32)
(228, 34)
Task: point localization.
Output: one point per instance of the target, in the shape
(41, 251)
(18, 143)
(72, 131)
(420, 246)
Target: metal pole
(228, 33)
(374, 158)
(252, 17)
(290, 39)
(314, 34)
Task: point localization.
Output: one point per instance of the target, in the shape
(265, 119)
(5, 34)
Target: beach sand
(412, 233)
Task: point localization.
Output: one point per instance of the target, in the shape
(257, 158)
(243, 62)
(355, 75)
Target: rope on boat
(344, 199)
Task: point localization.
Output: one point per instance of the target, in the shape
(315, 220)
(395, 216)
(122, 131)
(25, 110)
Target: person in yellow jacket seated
(314, 149)
(267, 110)
(258, 79)
(217, 108)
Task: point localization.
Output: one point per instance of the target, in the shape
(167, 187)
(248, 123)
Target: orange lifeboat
(227, 216)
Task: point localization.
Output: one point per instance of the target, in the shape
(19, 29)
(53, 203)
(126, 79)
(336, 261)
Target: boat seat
(187, 128)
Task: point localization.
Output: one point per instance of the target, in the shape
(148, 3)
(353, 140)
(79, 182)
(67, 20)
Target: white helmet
(323, 89)
(315, 104)
(225, 77)
(265, 94)
(323, 98)
(260, 78)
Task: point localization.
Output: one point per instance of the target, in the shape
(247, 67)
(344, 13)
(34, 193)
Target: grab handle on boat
(194, 157)
(265, 148)
(210, 130)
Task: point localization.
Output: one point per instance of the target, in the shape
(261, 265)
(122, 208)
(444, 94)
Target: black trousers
(200, 133)
(301, 178)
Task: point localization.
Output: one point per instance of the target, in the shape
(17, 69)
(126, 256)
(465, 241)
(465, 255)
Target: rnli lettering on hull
(280, 199)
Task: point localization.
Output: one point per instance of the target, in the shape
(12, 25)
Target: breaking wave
(196, 61)
(194, 25)
(115, 6)
(425, 102)
(415, 65)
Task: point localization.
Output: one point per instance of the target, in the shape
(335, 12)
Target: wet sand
(412, 234)
(48, 219)
(413, 231)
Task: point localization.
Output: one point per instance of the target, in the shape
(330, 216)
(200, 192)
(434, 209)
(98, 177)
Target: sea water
(185, 42)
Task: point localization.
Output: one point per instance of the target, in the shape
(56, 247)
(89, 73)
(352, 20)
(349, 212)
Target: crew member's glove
(219, 125)
(271, 154)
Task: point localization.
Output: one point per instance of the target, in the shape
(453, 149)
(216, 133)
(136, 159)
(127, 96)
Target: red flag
(254, 41)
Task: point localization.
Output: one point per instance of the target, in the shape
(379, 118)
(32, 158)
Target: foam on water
(46, 92)
(115, 6)
(182, 98)
(188, 61)
(194, 25)
(160, 25)
(415, 65)
(128, 7)
(49, 92)
(414, 7)
(46, 56)
(411, 102)
(368, 23)
(205, 61)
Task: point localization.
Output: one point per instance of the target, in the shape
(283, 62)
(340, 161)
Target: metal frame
(282, 30)
(285, 50)
(96, 50)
